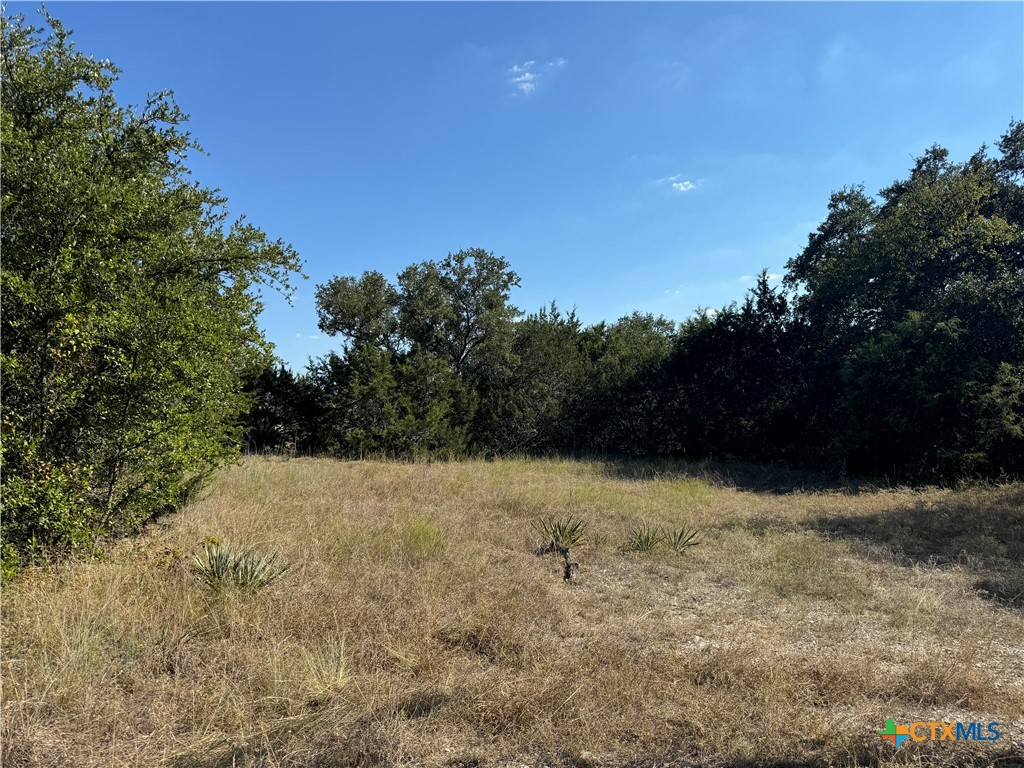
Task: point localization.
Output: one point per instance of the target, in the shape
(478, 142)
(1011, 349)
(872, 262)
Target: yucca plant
(248, 571)
(644, 538)
(253, 571)
(215, 570)
(681, 539)
(567, 532)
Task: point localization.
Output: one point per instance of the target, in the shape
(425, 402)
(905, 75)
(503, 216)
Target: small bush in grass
(567, 532)
(681, 539)
(644, 538)
(248, 571)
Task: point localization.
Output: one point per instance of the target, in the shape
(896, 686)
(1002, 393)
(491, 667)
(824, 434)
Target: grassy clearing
(415, 626)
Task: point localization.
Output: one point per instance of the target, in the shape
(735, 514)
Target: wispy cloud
(834, 61)
(526, 77)
(771, 276)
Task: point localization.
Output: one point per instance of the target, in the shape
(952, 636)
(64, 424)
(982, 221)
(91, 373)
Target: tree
(538, 404)
(451, 315)
(624, 385)
(457, 310)
(275, 419)
(912, 309)
(129, 301)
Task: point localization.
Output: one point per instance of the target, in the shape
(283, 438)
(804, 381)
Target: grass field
(416, 626)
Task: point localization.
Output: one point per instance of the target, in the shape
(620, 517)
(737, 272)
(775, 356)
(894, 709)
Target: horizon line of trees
(894, 346)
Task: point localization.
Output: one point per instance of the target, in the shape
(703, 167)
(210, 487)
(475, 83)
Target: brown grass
(416, 626)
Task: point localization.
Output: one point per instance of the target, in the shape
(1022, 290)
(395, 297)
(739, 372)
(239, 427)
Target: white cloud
(313, 336)
(747, 277)
(678, 183)
(525, 77)
(774, 276)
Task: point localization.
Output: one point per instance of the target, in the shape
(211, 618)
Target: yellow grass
(416, 626)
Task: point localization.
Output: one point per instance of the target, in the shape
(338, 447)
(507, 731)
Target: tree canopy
(129, 300)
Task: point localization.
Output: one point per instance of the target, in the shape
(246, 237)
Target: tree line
(894, 346)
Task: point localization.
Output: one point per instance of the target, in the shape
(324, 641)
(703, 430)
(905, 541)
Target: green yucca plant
(644, 538)
(248, 571)
(215, 570)
(681, 539)
(567, 532)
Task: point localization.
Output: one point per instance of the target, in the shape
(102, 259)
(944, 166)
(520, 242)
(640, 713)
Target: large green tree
(457, 309)
(129, 300)
(427, 351)
(912, 309)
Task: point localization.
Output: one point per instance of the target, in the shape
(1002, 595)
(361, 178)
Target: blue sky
(621, 156)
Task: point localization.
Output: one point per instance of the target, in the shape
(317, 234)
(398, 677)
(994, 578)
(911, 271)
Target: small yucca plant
(215, 570)
(253, 571)
(248, 571)
(567, 532)
(682, 538)
(644, 538)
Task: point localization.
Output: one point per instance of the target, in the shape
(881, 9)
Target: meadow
(416, 626)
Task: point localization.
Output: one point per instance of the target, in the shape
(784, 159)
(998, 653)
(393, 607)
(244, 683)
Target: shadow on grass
(981, 530)
(779, 479)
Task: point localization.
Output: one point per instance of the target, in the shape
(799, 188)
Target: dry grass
(417, 627)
